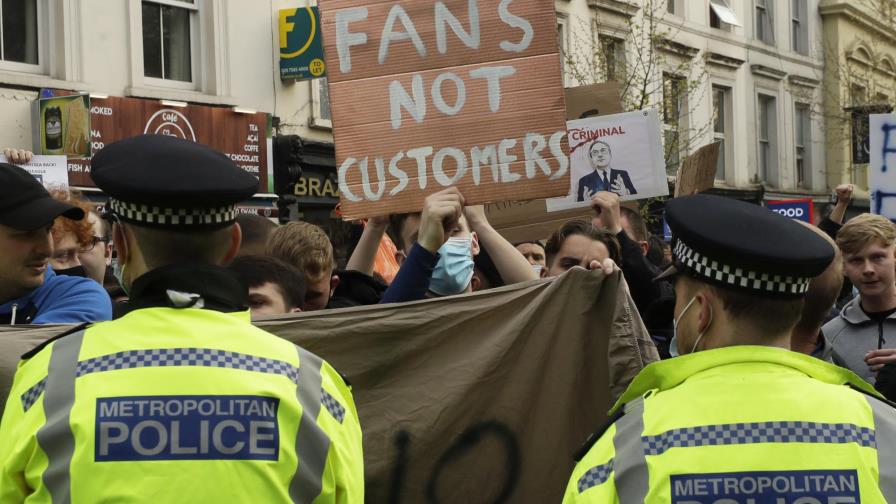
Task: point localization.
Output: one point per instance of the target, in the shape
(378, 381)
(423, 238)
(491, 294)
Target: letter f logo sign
(286, 26)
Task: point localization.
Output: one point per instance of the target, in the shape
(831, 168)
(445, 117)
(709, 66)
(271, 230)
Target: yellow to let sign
(301, 47)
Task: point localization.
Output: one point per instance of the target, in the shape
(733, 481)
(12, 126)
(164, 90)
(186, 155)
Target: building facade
(744, 73)
(860, 78)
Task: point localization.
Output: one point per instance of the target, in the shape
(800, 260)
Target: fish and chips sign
(432, 94)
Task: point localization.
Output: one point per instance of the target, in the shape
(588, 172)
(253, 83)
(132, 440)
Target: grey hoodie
(852, 335)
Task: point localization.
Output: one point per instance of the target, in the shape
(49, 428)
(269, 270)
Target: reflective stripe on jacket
(179, 405)
(741, 423)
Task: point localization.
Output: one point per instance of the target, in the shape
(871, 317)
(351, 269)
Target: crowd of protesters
(67, 271)
(450, 248)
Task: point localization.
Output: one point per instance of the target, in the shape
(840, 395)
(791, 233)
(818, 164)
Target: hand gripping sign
(432, 94)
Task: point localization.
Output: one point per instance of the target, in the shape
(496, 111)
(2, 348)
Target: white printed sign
(48, 170)
(620, 153)
(882, 165)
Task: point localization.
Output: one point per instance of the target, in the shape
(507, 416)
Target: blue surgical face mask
(454, 270)
(673, 343)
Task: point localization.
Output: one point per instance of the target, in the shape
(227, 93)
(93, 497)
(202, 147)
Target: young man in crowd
(438, 246)
(533, 251)
(97, 257)
(30, 291)
(863, 337)
(578, 243)
(275, 288)
(307, 248)
(80, 248)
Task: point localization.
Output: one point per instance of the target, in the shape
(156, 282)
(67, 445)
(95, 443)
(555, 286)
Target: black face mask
(77, 271)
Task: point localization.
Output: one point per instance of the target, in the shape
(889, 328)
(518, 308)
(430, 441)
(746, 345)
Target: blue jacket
(60, 300)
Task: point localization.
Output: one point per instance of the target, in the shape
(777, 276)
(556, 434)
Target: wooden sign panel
(698, 171)
(593, 100)
(242, 137)
(427, 95)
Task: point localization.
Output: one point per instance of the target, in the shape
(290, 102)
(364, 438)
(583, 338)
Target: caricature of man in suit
(603, 178)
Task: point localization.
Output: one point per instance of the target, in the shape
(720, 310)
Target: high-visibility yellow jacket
(743, 425)
(179, 405)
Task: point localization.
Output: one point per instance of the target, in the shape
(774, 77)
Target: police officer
(182, 399)
(739, 418)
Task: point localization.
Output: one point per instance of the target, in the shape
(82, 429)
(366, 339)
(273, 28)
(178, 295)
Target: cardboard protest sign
(697, 172)
(519, 221)
(882, 167)
(480, 398)
(621, 153)
(799, 209)
(427, 95)
(48, 170)
(593, 100)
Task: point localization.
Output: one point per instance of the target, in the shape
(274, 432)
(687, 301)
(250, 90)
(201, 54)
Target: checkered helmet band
(739, 278)
(165, 216)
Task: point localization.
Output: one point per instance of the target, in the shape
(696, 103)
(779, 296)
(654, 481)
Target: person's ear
(475, 283)
(544, 272)
(236, 240)
(645, 247)
(295, 309)
(119, 238)
(400, 257)
(475, 244)
(107, 253)
(704, 303)
(334, 282)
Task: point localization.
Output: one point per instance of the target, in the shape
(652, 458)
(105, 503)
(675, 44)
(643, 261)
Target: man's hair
(396, 228)
(582, 228)
(532, 242)
(600, 142)
(256, 231)
(655, 250)
(255, 271)
(636, 222)
(864, 230)
(81, 229)
(823, 290)
(304, 246)
(767, 315)
(162, 247)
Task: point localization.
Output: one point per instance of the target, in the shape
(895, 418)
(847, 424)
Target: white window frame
(799, 26)
(563, 35)
(43, 54)
(195, 47)
(771, 144)
(675, 8)
(619, 57)
(768, 8)
(317, 120)
(727, 17)
(678, 127)
(724, 136)
(803, 144)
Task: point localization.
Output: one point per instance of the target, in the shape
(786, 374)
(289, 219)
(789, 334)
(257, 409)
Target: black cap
(169, 183)
(744, 247)
(25, 204)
